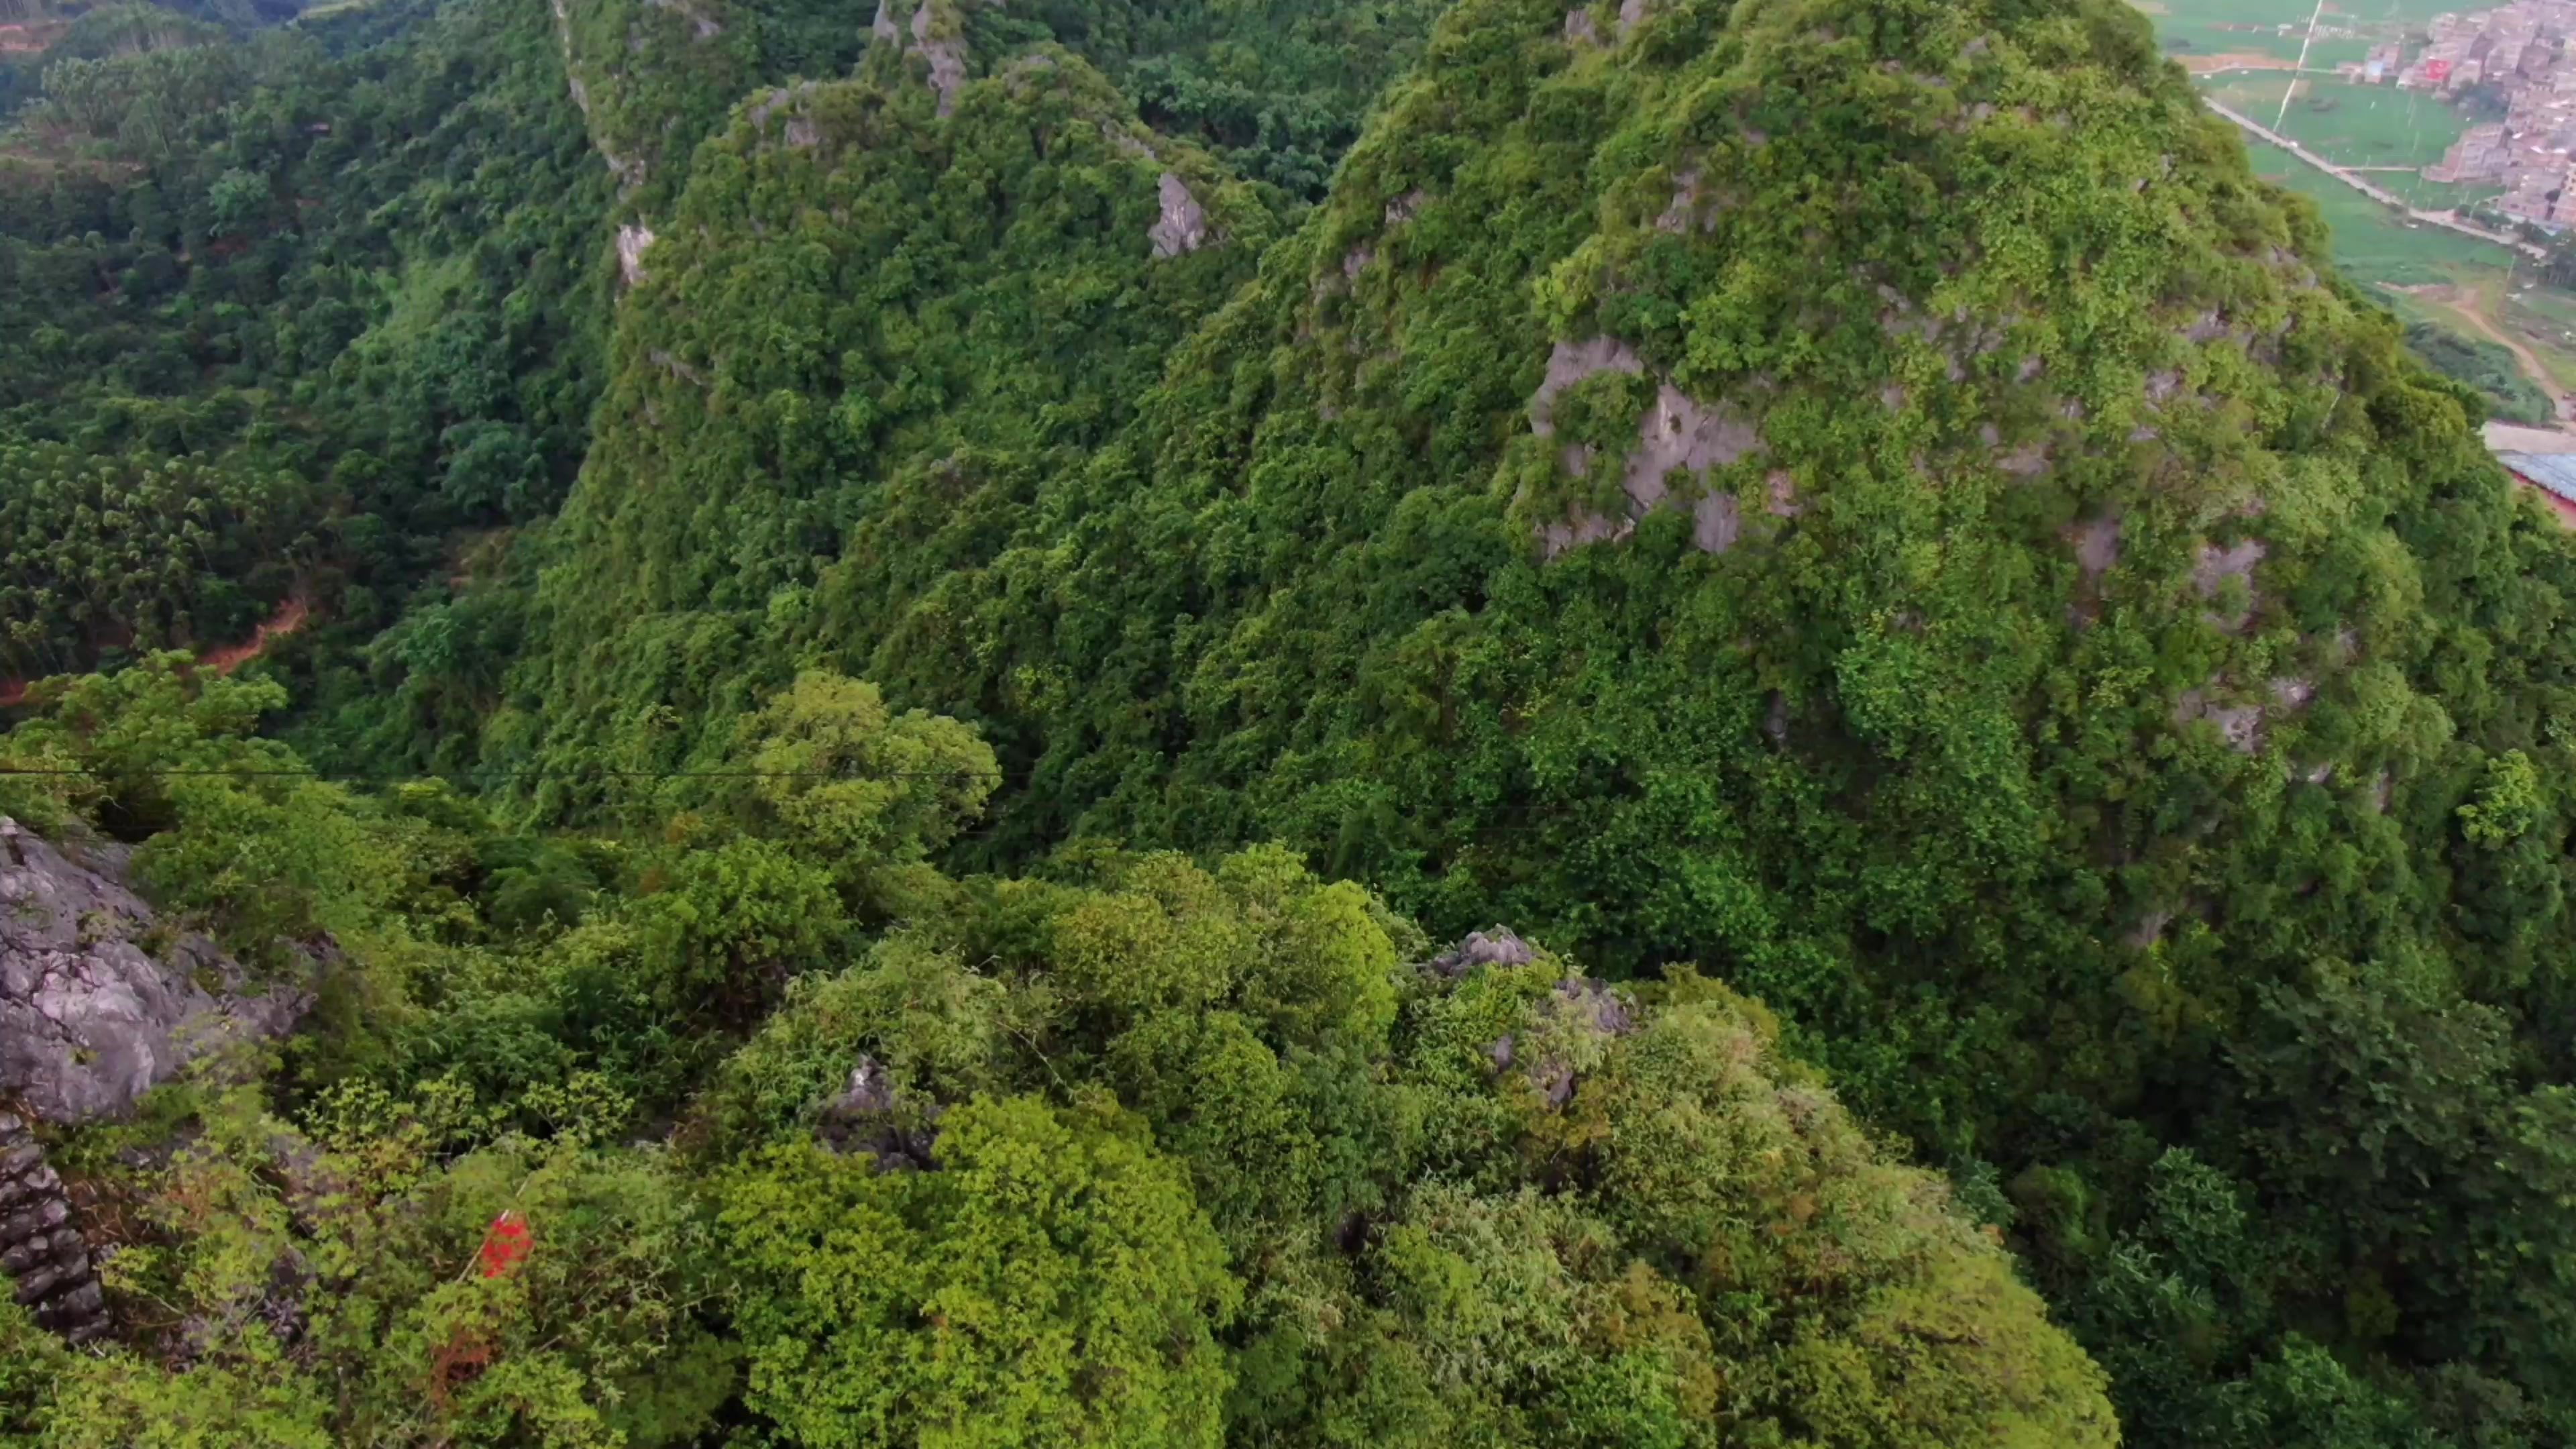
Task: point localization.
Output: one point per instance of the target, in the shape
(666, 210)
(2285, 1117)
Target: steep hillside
(1140, 1153)
(379, 249)
(1277, 90)
(653, 78)
(934, 277)
(1872, 500)
(369, 270)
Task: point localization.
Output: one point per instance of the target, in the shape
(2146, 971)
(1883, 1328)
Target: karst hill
(1872, 500)
(2017, 732)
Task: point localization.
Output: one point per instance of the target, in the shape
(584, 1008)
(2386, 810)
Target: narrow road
(2376, 193)
(2467, 310)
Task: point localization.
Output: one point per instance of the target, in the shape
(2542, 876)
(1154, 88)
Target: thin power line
(560, 773)
(1481, 819)
(352, 778)
(2301, 67)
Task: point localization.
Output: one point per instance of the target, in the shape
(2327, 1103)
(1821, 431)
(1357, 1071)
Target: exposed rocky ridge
(100, 1001)
(933, 36)
(629, 170)
(653, 77)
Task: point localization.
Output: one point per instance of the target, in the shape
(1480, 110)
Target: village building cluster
(2520, 53)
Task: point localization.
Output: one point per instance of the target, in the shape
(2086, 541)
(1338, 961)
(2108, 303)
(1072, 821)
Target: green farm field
(2372, 243)
(2547, 308)
(2427, 274)
(2207, 28)
(2347, 123)
(2243, 54)
(2545, 318)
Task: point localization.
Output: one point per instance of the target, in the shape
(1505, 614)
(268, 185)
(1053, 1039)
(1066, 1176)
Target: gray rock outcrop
(1183, 226)
(99, 1001)
(1678, 432)
(946, 54)
(870, 1116)
(1568, 1029)
(632, 239)
(1498, 947)
(1582, 1011)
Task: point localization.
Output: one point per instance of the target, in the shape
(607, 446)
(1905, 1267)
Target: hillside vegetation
(2489, 367)
(1140, 1152)
(377, 269)
(950, 296)
(1862, 532)
(1876, 504)
(378, 249)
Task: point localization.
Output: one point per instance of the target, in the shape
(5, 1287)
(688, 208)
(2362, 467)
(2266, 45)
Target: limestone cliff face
(98, 1000)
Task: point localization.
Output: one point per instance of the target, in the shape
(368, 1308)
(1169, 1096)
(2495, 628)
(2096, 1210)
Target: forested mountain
(377, 269)
(378, 249)
(1861, 531)
(1135, 1151)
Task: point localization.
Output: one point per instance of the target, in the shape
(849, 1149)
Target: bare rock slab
(99, 1000)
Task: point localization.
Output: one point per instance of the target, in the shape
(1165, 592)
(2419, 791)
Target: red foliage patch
(507, 1245)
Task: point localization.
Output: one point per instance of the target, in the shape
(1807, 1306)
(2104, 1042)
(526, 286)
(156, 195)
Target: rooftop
(2553, 471)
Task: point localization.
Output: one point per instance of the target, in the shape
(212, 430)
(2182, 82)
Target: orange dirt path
(290, 616)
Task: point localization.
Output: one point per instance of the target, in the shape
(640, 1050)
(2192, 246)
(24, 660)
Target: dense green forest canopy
(1136, 1151)
(1862, 526)
(374, 269)
(377, 249)
(1876, 504)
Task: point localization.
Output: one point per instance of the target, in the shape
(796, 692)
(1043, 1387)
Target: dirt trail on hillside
(290, 616)
(2470, 308)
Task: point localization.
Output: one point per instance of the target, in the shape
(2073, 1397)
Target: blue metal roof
(2553, 471)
